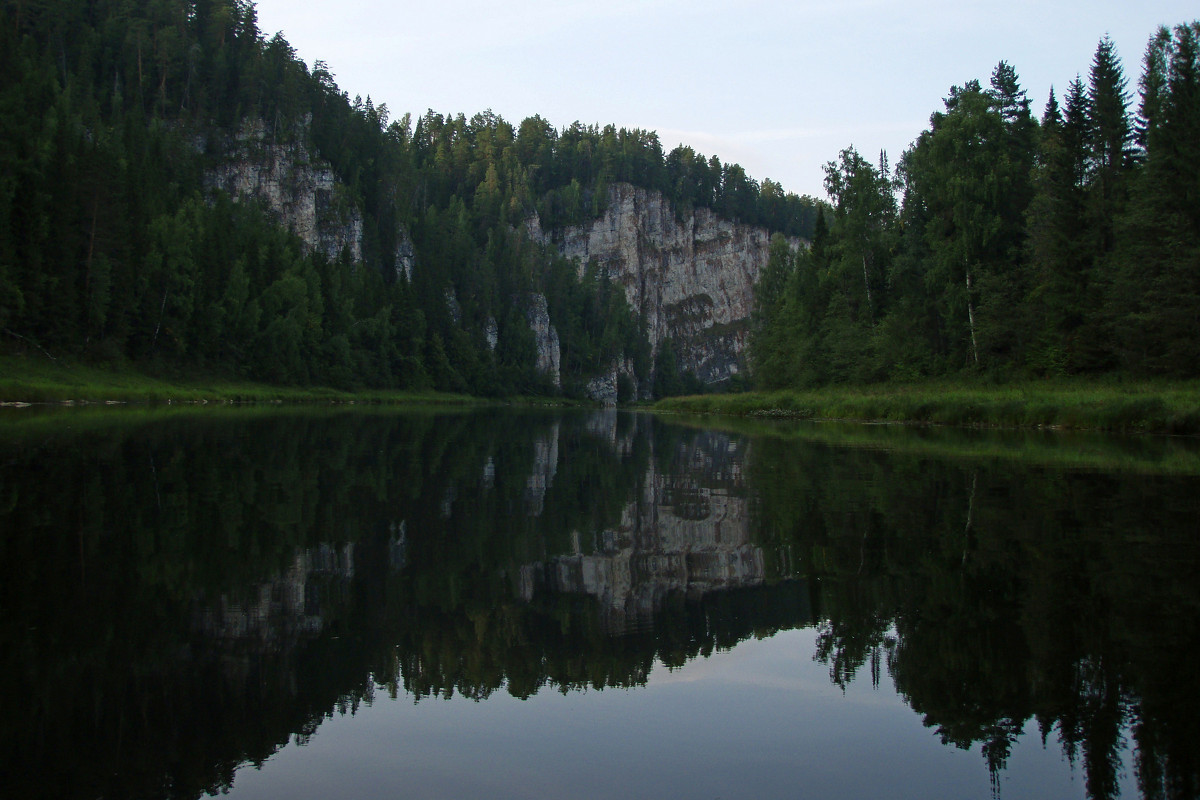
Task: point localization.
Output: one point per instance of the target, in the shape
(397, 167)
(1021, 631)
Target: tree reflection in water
(187, 593)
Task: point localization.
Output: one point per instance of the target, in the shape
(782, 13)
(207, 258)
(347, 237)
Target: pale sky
(778, 87)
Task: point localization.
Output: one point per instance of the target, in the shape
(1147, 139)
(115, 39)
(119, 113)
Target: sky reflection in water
(761, 720)
(194, 594)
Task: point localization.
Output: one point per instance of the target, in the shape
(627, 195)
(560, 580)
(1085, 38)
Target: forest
(1001, 244)
(1005, 245)
(116, 249)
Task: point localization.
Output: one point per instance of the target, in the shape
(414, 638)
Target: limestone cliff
(545, 337)
(606, 388)
(302, 192)
(690, 275)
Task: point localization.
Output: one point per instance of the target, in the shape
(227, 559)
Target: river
(368, 602)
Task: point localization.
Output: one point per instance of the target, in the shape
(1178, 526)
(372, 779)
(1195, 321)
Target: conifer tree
(864, 211)
(1155, 296)
(961, 171)
(1109, 141)
(1055, 228)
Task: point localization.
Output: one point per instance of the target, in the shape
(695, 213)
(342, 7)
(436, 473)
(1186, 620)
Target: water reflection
(187, 593)
(685, 532)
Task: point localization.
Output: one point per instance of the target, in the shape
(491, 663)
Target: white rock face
(491, 333)
(406, 254)
(549, 355)
(604, 388)
(300, 192)
(691, 276)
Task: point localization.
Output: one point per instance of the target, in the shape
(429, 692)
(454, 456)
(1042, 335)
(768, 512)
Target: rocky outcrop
(545, 338)
(491, 333)
(299, 190)
(690, 275)
(606, 388)
(405, 255)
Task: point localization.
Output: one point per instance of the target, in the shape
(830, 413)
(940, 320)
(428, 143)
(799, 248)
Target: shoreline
(29, 382)
(1151, 407)
(1099, 404)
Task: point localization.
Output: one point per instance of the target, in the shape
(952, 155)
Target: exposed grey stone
(691, 276)
(491, 333)
(537, 314)
(605, 388)
(406, 254)
(301, 192)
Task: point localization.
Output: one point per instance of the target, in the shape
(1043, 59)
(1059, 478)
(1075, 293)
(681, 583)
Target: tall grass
(1087, 450)
(26, 379)
(1150, 407)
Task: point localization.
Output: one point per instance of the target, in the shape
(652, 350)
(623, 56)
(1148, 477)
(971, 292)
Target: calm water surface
(285, 604)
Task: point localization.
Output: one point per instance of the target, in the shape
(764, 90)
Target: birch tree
(963, 170)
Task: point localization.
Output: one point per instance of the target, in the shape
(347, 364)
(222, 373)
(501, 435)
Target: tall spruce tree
(1155, 298)
(1055, 227)
(864, 210)
(1109, 141)
(1109, 160)
(854, 281)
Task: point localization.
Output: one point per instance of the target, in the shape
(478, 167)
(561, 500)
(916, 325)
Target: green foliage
(1066, 247)
(113, 244)
(818, 311)
(1151, 407)
(1019, 248)
(1156, 262)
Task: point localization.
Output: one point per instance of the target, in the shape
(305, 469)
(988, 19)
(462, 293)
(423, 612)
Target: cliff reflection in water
(189, 592)
(684, 533)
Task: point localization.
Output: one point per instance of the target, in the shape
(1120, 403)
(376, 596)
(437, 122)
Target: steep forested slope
(177, 189)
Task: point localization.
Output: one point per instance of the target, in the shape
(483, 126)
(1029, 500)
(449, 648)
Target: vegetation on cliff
(115, 247)
(1000, 244)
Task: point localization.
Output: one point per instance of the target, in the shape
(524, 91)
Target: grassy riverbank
(1024, 448)
(26, 379)
(1146, 407)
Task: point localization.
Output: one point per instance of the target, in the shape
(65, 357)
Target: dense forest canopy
(114, 245)
(1001, 242)
(1005, 244)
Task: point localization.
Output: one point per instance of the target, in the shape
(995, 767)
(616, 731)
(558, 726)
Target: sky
(778, 87)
